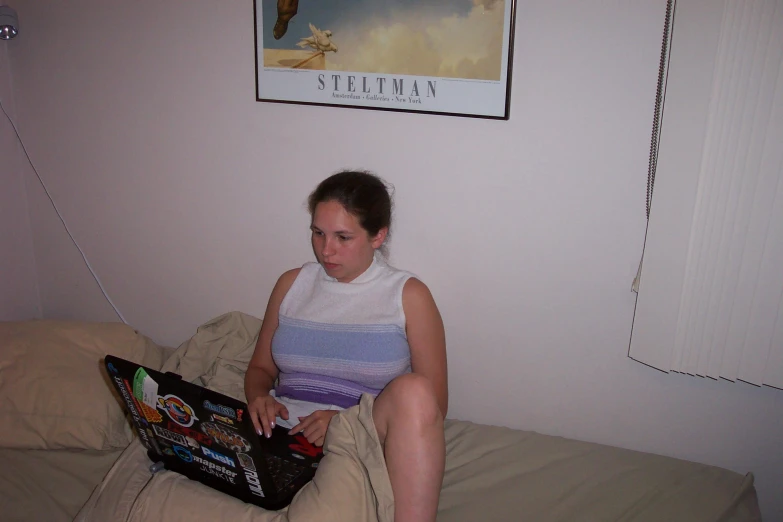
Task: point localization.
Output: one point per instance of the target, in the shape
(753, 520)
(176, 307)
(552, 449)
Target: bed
(69, 454)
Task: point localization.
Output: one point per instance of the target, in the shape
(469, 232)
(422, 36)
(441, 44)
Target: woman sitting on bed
(350, 325)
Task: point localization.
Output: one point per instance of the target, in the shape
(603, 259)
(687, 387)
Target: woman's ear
(379, 238)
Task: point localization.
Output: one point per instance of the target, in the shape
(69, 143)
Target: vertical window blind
(710, 291)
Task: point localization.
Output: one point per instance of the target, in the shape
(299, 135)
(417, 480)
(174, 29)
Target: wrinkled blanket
(492, 473)
(352, 483)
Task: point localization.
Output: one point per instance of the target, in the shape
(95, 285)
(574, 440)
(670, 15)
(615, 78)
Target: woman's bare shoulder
(287, 279)
(415, 289)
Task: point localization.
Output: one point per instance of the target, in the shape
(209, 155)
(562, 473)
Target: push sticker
(178, 410)
(145, 389)
(219, 457)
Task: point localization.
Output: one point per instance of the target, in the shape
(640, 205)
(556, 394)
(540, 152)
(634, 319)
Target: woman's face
(342, 246)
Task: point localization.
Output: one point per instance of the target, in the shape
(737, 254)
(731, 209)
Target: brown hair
(362, 194)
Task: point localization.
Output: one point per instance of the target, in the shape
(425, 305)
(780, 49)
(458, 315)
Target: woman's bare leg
(410, 426)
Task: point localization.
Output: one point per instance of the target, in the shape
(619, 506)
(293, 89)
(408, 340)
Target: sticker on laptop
(220, 409)
(183, 453)
(224, 420)
(219, 457)
(246, 461)
(150, 414)
(145, 389)
(225, 437)
(305, 447)
(145, 413)
(178, 410)
(253, 484)
(194, 437)
(176, 438)
(216, 470)
(154, 442)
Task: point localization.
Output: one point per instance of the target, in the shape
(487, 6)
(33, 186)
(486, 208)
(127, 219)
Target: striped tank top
(337, 340)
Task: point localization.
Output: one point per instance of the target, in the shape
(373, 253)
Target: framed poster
(432, 56)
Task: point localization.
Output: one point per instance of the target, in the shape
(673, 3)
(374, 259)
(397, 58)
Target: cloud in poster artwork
(487, 4)
(453, 46)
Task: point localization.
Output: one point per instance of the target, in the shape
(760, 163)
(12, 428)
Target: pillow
(54, 391)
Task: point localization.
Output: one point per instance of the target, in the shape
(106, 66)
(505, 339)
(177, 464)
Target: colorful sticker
(225, 437)
(183, 453)
(127, 394)
(145, 389)
(304, 446)
(246, 461)
(149, 413)
(224, 420)
(219, 457)
(220, 409)
(178, 410)
(190, 434)
(132, 405)
(176, 438)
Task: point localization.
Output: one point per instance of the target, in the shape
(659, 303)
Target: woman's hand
(314, 426)
(263, 410)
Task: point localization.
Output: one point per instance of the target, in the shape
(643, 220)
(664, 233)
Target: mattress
(492, 474)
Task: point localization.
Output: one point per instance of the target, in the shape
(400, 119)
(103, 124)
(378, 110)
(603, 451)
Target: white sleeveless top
(337, 340)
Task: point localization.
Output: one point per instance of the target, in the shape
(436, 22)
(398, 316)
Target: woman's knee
(414, 397)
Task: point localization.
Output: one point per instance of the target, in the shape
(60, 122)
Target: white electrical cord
(94, 275)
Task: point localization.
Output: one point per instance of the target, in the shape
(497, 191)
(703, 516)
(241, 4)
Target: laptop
(209, 437)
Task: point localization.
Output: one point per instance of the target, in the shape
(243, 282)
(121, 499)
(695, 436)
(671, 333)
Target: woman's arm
(262, 371)
(426, 338)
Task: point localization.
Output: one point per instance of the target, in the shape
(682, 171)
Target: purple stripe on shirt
(318, 388)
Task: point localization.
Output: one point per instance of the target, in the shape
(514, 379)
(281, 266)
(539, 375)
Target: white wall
(18, 286)
(188, 199)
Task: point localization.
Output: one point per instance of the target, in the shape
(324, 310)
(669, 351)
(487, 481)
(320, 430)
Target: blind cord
(62, 220)
(660, 96)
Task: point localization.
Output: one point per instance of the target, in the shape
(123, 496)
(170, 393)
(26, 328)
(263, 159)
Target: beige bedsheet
(492, 473)
(50, 485)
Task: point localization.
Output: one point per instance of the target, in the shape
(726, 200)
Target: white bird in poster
(320, 40)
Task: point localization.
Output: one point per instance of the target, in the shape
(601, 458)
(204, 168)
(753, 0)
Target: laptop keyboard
(283, 471)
